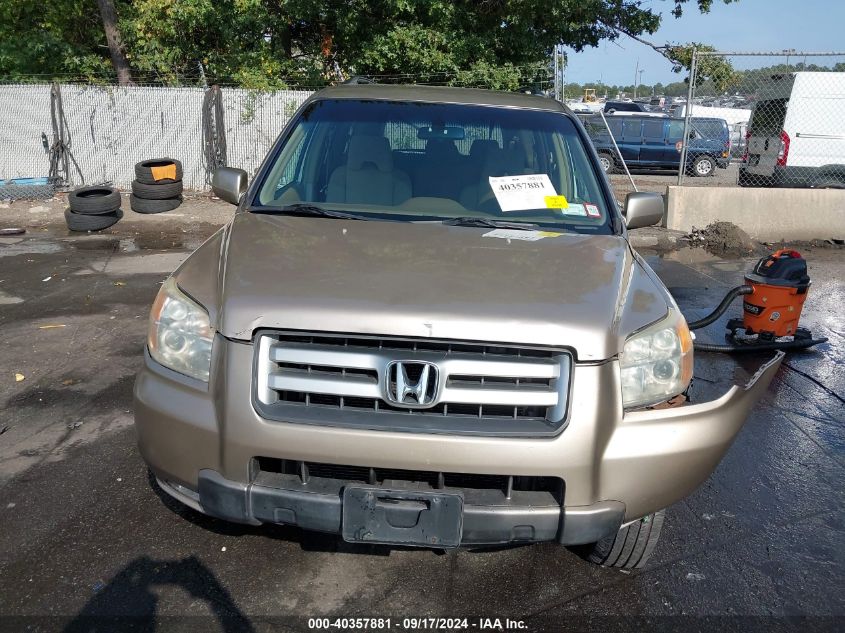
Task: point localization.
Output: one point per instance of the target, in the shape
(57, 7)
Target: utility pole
(557, 73)
(562, 74)
(636, 75)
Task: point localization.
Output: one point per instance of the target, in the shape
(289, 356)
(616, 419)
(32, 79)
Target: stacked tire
(157, 186)
(93, 208)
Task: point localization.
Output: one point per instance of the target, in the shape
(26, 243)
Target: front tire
(606, 161)
(703, 166)
(629, 548)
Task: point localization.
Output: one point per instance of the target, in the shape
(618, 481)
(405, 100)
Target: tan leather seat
(368, 176)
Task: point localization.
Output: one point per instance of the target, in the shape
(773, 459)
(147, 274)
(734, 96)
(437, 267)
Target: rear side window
(710, 128)
(632, 128)
(768, 117)
(676, 129)
(653, 129)
(403, 136)
(615, 127)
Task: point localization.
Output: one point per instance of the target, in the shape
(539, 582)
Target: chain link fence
(781, 116)
(96, 134)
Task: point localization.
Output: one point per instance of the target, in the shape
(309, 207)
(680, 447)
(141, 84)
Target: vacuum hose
(759, 347)
(720, 310)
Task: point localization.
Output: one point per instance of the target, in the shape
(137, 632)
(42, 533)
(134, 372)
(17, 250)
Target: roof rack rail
(358, 79)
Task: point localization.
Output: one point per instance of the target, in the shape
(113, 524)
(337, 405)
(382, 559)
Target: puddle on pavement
(46, 244)
(11, 248)
(699, 259)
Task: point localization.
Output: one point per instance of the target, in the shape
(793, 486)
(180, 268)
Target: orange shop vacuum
(773, 296)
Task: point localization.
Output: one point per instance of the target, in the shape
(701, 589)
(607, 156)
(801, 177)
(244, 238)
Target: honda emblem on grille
(412, 384)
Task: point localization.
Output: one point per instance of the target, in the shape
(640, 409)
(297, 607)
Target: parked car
(624, 106)
(796, 136)
(656, 143)
(425, 326)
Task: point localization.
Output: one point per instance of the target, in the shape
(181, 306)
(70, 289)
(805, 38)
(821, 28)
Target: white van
(796, 137)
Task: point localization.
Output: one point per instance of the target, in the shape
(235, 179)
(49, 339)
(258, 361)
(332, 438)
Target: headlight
(180, 334)
(656, 362)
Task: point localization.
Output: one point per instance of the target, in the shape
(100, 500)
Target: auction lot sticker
(522, 193)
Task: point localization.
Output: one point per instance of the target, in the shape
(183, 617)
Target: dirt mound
(723, 238)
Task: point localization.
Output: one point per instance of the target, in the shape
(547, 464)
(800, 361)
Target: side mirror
(643, 209)
(229, 184)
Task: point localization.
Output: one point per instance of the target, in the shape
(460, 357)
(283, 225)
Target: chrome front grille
(352, 380)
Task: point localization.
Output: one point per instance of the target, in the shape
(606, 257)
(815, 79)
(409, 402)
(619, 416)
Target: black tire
(159, 191)
(608, 165)
(829, 184)
(82, 222)
(703, 166)
(144, 172)
(94, 200)
(629, 548)
(140, 205)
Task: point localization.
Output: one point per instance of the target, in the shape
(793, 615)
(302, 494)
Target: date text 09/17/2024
(416, 624)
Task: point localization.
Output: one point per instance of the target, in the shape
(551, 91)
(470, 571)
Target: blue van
(654, 142)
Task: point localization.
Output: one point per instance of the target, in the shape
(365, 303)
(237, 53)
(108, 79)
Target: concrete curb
(768, 215)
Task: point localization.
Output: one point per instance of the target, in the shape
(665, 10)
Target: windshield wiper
(471, 220)
(301, 208)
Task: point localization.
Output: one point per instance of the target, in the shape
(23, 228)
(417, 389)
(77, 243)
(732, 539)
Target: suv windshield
(412, 161)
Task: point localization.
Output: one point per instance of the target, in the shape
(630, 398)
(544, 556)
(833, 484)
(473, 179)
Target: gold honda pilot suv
(425, 326)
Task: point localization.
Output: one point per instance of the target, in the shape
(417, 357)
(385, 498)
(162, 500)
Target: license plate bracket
(402, 517)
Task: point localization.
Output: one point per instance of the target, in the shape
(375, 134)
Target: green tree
(274, 43)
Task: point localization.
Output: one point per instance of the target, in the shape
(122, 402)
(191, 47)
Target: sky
(743, 26)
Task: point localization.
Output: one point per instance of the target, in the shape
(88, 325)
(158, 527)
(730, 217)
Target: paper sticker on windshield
(516, 234)
(556, 202)
(592, 210)
(575, 209)
(521, 193)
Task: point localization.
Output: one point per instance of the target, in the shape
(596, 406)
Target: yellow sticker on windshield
(556, 202)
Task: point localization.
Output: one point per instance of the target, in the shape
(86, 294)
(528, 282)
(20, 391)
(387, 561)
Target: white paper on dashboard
(521, 193)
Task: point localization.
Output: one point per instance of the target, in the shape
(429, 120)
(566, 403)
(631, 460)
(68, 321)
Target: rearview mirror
(448, 132)
(643, 209)
(229, 184)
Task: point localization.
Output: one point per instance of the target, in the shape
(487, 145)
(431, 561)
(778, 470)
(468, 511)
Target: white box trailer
(796, 136)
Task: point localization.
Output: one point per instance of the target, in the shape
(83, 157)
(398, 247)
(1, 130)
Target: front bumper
(201, 440)
(258, 503)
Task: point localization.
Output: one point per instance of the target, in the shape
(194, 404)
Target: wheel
(606, 161)
(829, 184)
(140, 205)
(158, 170)
(629, 548)
(82, 222)
(94, 200)
(159, 191)
(703, 166)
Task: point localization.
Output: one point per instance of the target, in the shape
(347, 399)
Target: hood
(584, 292)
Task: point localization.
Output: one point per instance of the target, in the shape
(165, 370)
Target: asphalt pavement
(86, 536)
